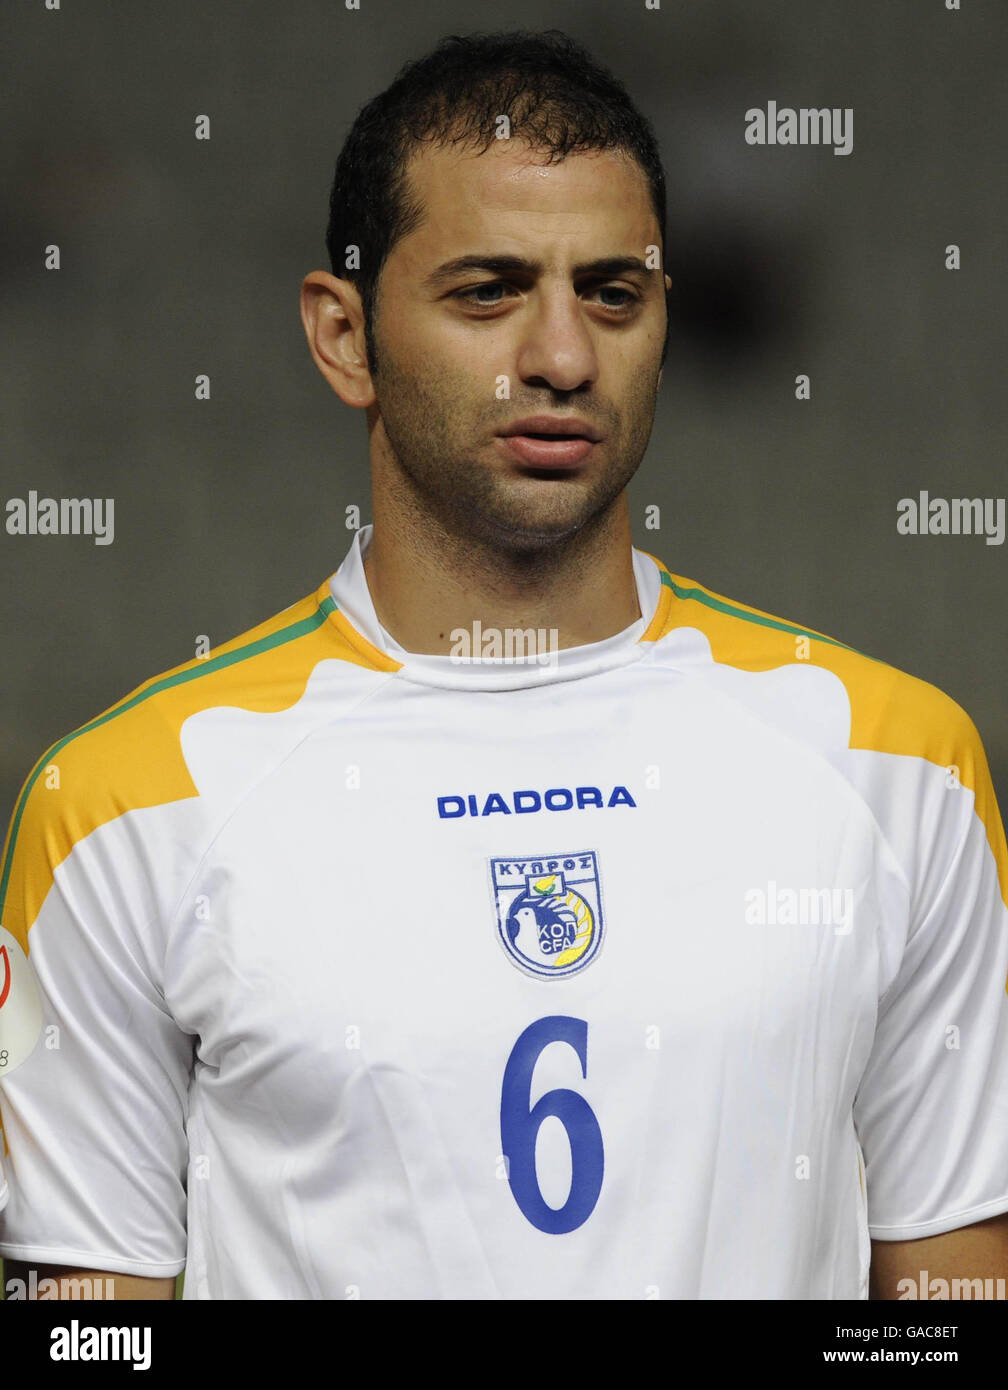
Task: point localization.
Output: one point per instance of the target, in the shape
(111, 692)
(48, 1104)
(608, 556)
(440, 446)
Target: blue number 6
(520, 1128)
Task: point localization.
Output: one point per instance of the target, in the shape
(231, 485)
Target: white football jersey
(670, 966)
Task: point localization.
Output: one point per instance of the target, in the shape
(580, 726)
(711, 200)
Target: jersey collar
(349, 591)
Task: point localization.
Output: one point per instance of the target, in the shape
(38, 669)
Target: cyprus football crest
(549, 911)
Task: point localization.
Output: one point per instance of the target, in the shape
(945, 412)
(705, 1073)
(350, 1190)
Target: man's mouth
(551, 441)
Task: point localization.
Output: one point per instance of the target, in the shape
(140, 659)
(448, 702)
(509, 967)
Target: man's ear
(333, 319)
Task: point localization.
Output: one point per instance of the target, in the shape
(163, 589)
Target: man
(664, 956)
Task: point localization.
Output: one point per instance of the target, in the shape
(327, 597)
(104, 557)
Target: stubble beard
(430, 434)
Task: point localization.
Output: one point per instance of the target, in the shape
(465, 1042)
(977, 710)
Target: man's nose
(556, 346)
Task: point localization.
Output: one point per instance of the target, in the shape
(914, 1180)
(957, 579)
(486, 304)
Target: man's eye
(475, 294)
(625, 298)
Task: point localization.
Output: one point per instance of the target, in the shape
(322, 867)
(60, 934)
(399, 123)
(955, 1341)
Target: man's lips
(551, 441)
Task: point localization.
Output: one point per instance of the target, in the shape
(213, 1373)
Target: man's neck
(426, 582)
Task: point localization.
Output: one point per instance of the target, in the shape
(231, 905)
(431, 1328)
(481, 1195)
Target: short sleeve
(93, 1095)
(932, 1107)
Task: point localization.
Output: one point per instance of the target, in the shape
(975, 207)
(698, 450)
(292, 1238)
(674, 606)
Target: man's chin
(528, 534)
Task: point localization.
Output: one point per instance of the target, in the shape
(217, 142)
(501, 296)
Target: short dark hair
(555, 95)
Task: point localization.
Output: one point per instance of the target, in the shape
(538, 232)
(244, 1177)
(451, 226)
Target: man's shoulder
(131, 757)
(891, 710)
(262, 669)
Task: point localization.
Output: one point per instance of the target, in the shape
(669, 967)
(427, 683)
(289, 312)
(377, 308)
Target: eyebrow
(512, 265)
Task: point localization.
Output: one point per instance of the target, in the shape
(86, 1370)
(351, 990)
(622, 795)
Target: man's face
(467, 352)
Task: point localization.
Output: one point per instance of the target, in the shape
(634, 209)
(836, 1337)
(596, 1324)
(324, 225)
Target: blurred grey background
(181, 257)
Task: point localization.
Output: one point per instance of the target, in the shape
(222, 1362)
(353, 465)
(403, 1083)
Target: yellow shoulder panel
(131, 757)
(891, 711)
